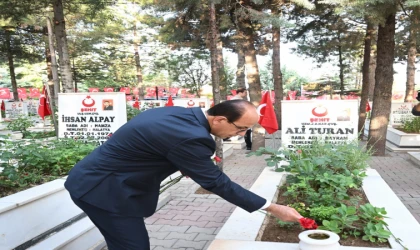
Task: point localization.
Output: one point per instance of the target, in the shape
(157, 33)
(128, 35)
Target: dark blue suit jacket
(123, 175)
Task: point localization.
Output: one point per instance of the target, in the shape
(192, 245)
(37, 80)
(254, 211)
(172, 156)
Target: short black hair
(232, 110)
(418, 96)
(241, 90)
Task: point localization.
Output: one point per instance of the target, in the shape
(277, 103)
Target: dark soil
(289, 234)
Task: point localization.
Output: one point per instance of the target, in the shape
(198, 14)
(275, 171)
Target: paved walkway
(191, 221)
(403, 176)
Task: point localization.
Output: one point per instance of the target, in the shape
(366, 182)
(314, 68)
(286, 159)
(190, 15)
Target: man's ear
(219, 119)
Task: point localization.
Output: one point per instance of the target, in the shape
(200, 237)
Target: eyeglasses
(240, 129)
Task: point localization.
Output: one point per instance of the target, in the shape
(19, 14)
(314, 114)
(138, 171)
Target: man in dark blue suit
(118, 183)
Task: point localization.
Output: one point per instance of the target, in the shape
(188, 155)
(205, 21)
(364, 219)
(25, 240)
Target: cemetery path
(191, 221)
(403, 176)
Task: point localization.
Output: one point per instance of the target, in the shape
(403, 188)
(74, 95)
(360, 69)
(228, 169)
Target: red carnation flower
(308, 223)
(217, 159)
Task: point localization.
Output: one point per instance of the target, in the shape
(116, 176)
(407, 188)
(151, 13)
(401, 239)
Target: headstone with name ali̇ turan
(329, 121)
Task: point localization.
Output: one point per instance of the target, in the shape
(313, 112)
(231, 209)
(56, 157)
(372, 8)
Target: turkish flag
(5, 93)
(126, 90)
(44, 105)
(34, 92)
(170, 102)
(368, 107)
(136, 104)
(108, 89)
(93, 89)
(268, 118)
(2, 105)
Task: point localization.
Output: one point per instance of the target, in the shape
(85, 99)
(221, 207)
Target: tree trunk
(240, 68)
(411, 57)
(49, 72)
(215, 73)
(221, 67)
(277, 76)
(372, 70)
(341, 65)
(11, 64)
(53, 66)
(384, 78)
(60, 35)
(253, 77)
(365, 85)
(138, 66)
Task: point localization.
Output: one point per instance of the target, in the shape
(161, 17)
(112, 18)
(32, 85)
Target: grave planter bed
(333, 185)
(244, 230)
(398, 138)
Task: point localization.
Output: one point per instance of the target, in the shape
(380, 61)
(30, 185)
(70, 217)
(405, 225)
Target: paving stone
(194, 203)
(164, 248)
(202, 236)
(211, 218)
(179, 229)
(158, 235)
(150, 220)
(167, 222)
(163, 243)
(194, 229)
(206, 213)
(198, 208)
(214, 224)
(220, 209)
(193, 223)
(223, 214)
(177, 212)
(153, 228)
(165, 216)
(192, 244)
(183, 236)
(208, 200)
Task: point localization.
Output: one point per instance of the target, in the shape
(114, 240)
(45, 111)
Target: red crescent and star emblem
(319, 111)
(260, 108)
(88, 102)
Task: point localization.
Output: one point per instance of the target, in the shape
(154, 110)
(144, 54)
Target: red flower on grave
(308, 223)
(299, 151)
(217, 159)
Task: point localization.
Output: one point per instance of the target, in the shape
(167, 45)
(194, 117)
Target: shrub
(28, 163)
(21, 124)
(131, 112)
(412, 126)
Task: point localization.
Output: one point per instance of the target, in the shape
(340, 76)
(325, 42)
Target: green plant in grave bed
(132, 112)
(412, 125)
(40, 135)
(321, 213)
(343, 219)
(29, 162)
(285, 224)
(375, 232)
(21, 124)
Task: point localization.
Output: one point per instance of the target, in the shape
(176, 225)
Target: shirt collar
(201, 117)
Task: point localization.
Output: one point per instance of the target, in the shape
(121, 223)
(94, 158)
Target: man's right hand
(284, 213)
